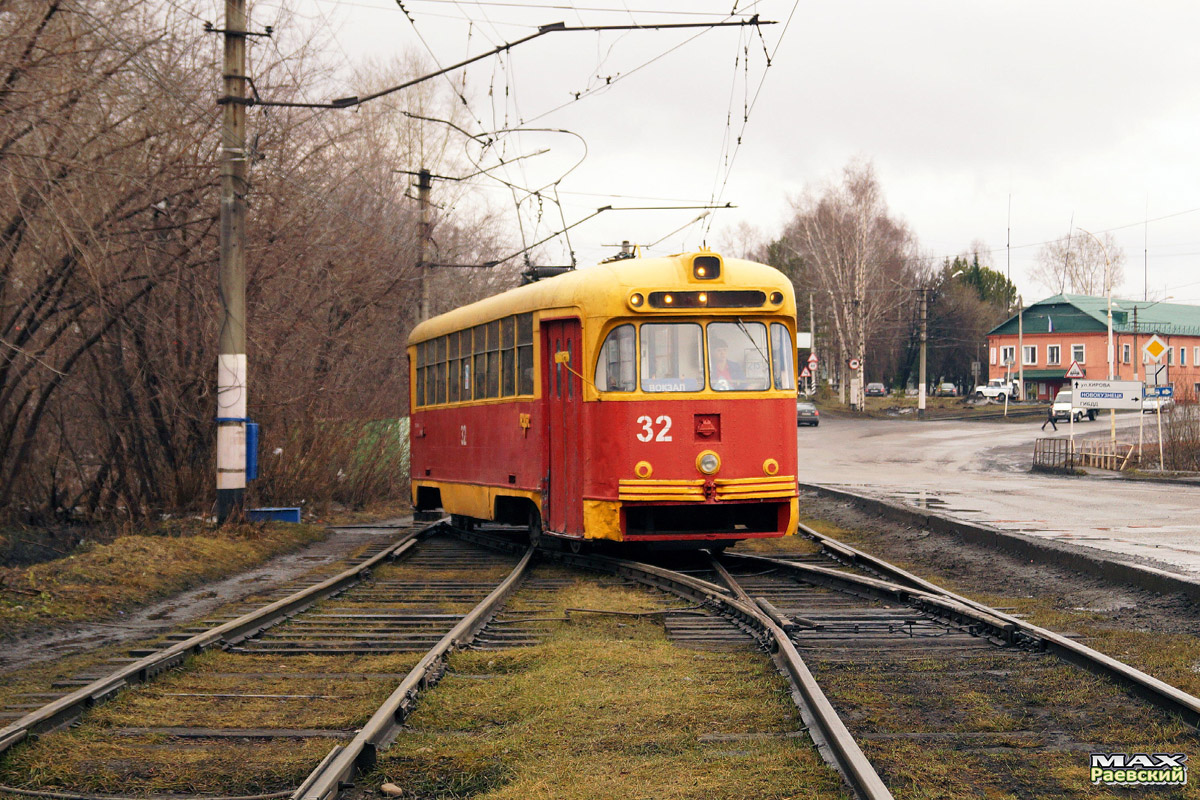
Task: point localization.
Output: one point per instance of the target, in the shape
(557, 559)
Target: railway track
(877, 660)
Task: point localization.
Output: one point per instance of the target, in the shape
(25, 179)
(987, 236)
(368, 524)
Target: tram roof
(603, 289)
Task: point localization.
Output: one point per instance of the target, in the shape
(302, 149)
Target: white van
(1064, 409)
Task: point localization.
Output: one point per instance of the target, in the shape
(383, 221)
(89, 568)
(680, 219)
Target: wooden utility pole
(231, 361)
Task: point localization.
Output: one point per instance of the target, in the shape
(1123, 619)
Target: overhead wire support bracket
(554, 27)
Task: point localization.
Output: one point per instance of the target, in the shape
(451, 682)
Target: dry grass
(97, 582)
(90, 760)
(1050, 696)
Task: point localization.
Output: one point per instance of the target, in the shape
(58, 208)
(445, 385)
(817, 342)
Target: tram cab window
(524, 354)
(737, 357)
(782, 350)
(672, 357)
(616, 369)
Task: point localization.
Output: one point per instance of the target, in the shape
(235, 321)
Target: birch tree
(862, 263)
(1079, 264)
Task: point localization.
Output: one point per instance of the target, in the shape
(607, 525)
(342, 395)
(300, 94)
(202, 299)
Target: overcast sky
(1067, 113)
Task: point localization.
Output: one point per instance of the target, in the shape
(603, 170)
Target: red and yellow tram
(645, 400)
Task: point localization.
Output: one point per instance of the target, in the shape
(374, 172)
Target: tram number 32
(647, 432)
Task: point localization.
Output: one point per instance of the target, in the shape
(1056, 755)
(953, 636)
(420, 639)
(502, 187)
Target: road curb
(1070, 557)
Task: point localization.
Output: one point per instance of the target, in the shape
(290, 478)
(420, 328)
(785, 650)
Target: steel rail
(344, 762)
(70, 706)
(1013, 629)
(833, 740)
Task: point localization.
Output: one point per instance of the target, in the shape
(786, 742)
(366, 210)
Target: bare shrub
(108, 262)
(1181, 438)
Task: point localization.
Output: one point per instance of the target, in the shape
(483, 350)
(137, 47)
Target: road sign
(805, 373)
(812, 360)
(1107, 394)
(1156, 375)
(1156, 348)
(1075, 371)
(854, 363)
(1164, 391)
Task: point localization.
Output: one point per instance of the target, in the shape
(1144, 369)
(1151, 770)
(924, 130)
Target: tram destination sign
(1107, 394)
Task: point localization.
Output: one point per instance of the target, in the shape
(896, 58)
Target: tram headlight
(776, 298)
(708, 462)
(636, 300)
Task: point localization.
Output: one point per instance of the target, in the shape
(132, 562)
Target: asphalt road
(980, 471)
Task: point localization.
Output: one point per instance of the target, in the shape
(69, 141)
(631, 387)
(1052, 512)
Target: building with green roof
(1054, 333)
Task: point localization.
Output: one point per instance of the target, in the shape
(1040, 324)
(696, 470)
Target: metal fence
(1062, 455)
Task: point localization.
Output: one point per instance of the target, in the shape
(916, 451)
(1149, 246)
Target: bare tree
(108, 214)
(743, 240)
(1079, 264)
(861, 262)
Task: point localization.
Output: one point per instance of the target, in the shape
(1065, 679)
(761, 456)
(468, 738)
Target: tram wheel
(535, 528)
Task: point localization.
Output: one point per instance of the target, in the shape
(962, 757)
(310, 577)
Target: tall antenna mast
(1008, 241)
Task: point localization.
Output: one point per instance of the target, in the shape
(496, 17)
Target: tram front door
(562, 391)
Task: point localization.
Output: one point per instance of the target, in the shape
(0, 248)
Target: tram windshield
(735, 356)
(672, 357)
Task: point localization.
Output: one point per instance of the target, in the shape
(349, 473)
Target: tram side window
(419, 386)
(737, 357)
(493, 359)
(616, 368)
(508, 356)
(453, 369)
(524, 354)
(782, 351)
(672, 357)
(464, 349)
(479, 333)
(439, 370)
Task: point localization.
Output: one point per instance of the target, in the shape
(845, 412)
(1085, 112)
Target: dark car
(807, 414)
(876, 390)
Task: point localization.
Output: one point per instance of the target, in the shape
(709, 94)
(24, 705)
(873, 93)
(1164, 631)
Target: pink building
(1070, 328)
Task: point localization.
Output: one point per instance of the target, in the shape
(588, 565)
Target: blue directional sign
(1164, 391)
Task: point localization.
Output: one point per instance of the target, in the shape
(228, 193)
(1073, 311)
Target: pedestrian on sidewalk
(1050, 418)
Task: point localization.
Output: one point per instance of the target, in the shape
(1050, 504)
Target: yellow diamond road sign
(1155, 348)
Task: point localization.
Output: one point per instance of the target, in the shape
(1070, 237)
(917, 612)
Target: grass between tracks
(606, 707)
(1017, 713)
(1170, 657)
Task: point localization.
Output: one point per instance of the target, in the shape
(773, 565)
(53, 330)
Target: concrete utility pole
(921, 371)
(424, 186)
(231, 361)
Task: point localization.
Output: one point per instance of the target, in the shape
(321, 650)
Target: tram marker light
(706, 268)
